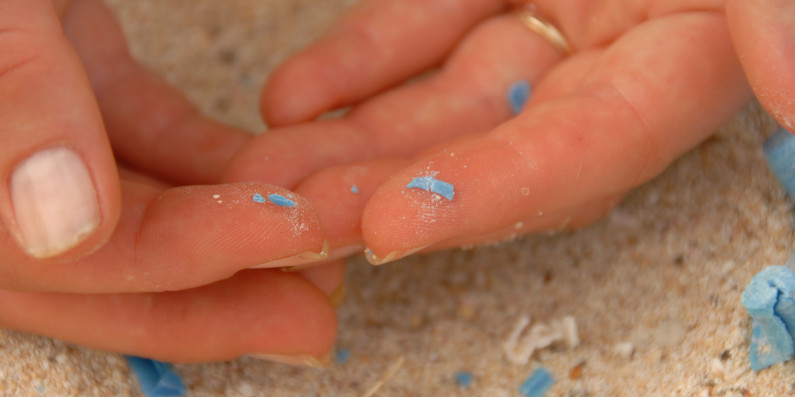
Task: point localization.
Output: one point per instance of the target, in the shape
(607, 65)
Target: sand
(654, 287)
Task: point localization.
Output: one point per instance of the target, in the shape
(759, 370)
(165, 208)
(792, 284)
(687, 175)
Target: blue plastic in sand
(769, 300)
(463, 378)
(780, 153)
(537, 384)
(341, 356)
(431, 184)
(157, 379)
(518, 94)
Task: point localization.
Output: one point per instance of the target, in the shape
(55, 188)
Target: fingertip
(292, 94)
(762, 34)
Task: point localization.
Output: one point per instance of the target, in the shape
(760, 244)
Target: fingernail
(334, 254)
(337, 296)
(296, 260)
(391, 257)
(54, 201)
(302, 360)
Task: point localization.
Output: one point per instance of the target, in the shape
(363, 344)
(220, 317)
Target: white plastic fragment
(624, 349)
(518, 349)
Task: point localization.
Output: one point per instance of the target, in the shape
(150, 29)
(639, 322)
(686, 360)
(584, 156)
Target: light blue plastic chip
(157, 379)
(280, 200)
(354, 189)
(258, 198)
(341, 356)
(463, 378)
(769, 300)
(780, 153)
(537, 384)
(431, 184)
(518, 94)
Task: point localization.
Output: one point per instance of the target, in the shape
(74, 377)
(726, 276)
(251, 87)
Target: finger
(329, 278)
(339, 194)
(180, 238)
(467, 96)
(378, 44)
(763, 33)
(152, 127)
(262, 312)
(62, 192)
(650, 97)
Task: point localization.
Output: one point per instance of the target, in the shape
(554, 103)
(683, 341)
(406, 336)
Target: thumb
(763, 33)
(61, 192)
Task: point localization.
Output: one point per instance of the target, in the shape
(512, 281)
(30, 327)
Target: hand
(133, 264)
(646, 82)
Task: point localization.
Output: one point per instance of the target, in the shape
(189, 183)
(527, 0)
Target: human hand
(646, 82)
(141, 264)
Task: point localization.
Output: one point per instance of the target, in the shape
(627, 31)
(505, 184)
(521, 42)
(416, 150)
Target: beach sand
(654, 287)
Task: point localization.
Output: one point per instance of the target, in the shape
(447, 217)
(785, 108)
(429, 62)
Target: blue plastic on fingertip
(769, 300)
(780, 153)
(354, 189)
(431, 184)
(518, 94)
(156, 379)
(280, 200)
(537, 384)
(257, 198)
(463, 379)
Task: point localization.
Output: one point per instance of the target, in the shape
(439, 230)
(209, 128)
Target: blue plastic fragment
(769, 300)
(258, 198)
(342, 355)
(537, 384)
(280, 200)
(431, 184)
(354, 189)
(157, 379)
(463, 378)
(780, 152)
(518, 94)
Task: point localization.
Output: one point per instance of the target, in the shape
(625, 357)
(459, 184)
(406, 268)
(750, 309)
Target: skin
(648, 80)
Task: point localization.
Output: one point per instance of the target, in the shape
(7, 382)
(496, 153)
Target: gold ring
(529, 18)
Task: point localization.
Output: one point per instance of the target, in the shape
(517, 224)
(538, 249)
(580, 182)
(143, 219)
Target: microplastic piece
(280, 200)
(769, 300)
(157, 379)
(518, 94)
(354, 189)
(341, 356)
(537, 384)
(258, 198)
(780, 153)
(463, 378)
(431, 184)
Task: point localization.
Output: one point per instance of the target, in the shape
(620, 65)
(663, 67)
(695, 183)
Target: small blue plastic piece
(354, 189)
(780, 152)
(518, 94)
(258, 198)
(341, 356)
(431, 184)
(280, 200)
(157, 379)
(463, 378)
(769, 300)
(537, 384)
